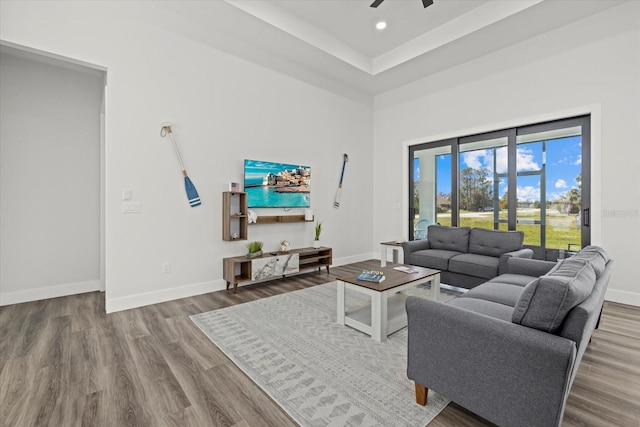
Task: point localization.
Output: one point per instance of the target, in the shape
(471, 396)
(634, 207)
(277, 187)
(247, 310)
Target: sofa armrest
(524, 253)
(529, 267)
(414, 245)
(502, 371)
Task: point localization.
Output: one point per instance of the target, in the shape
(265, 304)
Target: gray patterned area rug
(319, 372)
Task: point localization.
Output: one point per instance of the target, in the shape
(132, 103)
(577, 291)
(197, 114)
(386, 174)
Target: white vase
(316, 244)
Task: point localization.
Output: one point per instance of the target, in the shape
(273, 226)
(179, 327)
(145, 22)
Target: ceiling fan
(425, 3)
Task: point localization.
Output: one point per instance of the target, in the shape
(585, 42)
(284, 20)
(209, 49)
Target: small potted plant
(255, 249)
(316, 241)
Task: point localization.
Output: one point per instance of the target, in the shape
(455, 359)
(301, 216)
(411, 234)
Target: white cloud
(561, 183)
(475, 159)
(479, 159)
(529, 193)
(578, 161)
(524, 160)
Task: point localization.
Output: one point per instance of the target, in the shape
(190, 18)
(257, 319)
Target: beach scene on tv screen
(276, 185)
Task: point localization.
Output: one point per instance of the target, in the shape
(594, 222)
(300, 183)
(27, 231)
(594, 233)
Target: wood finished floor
(64, 362)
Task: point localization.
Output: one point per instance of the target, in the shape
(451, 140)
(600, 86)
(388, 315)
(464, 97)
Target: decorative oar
(192, 193)
(336, 203)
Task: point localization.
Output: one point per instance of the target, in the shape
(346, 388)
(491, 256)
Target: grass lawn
(561, 229)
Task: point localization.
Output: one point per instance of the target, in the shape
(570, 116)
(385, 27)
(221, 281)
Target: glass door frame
(584, 122)
(454, 181)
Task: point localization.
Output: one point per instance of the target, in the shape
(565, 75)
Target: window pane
(549, 193)
(564, 193)
(530, 169)
(432, 189)
(483, 167)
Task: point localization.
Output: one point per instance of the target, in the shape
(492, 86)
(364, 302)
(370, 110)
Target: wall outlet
(166, 267)
(131, 207)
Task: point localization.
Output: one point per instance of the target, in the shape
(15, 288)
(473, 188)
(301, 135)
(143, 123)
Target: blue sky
(563, 165)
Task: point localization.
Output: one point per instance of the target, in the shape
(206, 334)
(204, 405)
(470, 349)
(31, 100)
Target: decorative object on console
(308, 215)
(336, 203)
(234, 186)
(252, 217)
(318, 230)
(284, 246)
(192, 193)
(255, 249)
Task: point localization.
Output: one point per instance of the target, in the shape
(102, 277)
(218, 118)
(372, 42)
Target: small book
(405, 269)
(371, 276)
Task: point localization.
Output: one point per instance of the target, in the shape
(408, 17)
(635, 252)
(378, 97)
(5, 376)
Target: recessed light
(381, 25)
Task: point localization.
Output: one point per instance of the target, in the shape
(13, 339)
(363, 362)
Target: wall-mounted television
(277, 185)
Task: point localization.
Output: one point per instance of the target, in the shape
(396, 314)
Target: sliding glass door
(431, 187)
(550, 171)
(532, 178)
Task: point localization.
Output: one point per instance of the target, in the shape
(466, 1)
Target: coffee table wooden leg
(340, 299)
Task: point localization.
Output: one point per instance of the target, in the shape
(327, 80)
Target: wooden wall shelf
(234, 215)
(274, 219)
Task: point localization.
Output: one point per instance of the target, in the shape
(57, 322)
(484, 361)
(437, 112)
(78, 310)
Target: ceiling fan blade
(377, 3)
(427, 3)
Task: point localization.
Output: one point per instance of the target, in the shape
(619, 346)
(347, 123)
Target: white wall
(49, 180)
(589, 66)
(225, 109)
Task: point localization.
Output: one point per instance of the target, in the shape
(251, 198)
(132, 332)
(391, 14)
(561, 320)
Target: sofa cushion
(449, 238)
(432, 258)
(545, 301)
(475, 265)
(488, 308)
(594, 255)
(514, 279)
(502, 293)
(494, 242)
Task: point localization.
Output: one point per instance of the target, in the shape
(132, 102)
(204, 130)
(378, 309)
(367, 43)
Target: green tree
(467, 178)
(504, 201)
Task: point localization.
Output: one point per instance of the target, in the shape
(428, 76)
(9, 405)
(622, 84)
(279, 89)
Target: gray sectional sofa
(509, 349)
(465, 256)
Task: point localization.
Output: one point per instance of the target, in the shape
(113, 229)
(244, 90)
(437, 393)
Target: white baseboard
(355, 258)
(623, 297)
(46, 292)
(148, 298)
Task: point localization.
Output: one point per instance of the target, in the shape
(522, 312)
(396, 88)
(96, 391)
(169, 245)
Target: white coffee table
(386, 314)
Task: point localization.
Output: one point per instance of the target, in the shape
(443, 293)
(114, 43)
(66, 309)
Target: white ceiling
(334, 43)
